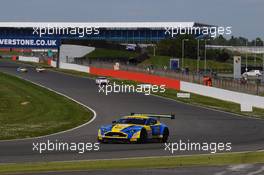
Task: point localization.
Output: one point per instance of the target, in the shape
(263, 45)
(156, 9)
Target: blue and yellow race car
(139, 128)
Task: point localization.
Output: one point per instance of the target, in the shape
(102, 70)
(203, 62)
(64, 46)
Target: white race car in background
(40, 69)
(252, 73)
(21, 69)
(101, 81)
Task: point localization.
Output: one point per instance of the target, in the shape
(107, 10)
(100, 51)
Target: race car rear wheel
(165, 135)
(143, 136)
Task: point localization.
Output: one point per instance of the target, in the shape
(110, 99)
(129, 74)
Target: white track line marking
(257, 171)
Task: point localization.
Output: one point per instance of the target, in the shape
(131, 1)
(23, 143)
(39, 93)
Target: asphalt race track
(192, 123)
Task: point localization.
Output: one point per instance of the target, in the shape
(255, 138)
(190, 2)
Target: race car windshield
(137, 121)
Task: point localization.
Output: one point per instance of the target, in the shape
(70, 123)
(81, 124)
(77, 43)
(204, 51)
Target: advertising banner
(29, 43)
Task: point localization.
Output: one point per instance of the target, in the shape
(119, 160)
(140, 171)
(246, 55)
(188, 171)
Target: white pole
(255, 58)
(205, 66)
(246, 56)
(182, 54)
(262, 59)
(198, 55)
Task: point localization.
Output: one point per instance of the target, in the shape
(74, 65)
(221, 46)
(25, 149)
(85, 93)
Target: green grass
(27, 110)
(109, 53)
(139, 163)
(161, 61)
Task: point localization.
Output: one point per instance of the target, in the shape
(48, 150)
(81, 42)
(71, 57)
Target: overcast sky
(245, 16)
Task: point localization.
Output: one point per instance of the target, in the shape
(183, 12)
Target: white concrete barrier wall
(247, 101)
(53, 63)
(28, 59)
(74, 67)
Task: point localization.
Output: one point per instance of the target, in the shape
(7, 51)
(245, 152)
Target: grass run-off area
(146, 163)
(27, 110)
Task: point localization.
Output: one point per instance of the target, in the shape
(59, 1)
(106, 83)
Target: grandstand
(122, 32)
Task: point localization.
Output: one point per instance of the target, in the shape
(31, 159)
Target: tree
(173, 47)
(219, 55)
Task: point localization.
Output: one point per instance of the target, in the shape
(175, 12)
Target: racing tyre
(143, 136)
(165, 135)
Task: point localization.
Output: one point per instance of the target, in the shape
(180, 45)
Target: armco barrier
(246, 101)
(135, 76)
(28, 59)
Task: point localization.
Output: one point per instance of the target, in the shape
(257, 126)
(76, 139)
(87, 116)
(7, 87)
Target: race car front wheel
(143, 136)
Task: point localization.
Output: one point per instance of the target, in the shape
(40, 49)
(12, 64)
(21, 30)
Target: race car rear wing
(168, 116)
